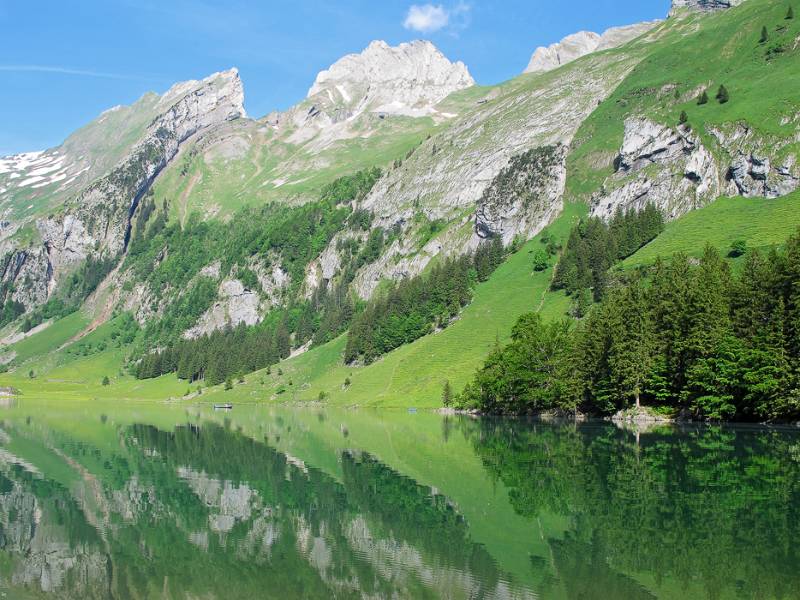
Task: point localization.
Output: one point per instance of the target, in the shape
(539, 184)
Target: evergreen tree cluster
(594, 246)
(170, 257)
(691, 336)
(221, 355)
(234, 352)
(413, 307)
(722, 96)
(351, 188)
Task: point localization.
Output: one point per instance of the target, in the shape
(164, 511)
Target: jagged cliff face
(101, 213)
(580, 44)
(407, 79)
(97, 221)
(703, 5)
(673, 169)
(350, 98)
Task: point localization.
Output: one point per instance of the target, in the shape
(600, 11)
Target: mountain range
(609, 122)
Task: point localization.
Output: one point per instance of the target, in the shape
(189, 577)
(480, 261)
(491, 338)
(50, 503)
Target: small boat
(223, 406)
(412, 410)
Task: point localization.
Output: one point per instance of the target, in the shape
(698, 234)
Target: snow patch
(31, 180)
(55, 166)
(343, 92)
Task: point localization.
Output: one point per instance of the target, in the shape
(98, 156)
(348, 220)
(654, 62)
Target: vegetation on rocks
(413, 307)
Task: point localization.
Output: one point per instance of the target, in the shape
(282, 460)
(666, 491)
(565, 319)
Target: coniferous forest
(594, 246)
(404, 313)
(413, 307)
(685, 334)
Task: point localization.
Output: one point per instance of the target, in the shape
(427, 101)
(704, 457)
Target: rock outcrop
(408, 79)
(523, 195)
(658, 165)
(580, 44)
(236, 305)
(702, 5)
(97, 222)
(672, 169)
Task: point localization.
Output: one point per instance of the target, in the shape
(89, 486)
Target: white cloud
(429, 18)
(426, 18)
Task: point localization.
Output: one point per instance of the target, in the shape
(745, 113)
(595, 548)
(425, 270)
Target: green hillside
(760, 222)
(702, 52)
(412, 375)
(230, 175)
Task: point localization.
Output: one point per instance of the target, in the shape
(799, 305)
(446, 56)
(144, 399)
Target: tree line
(685, 334)
(221, 355)
(413, 307)
(594, 246)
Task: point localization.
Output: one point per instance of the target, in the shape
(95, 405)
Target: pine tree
(703, 99)
(631, 352)
(790, 14)
(106, 381)
(764, 35)
(722, 94)
(708, 307)
(684, 118)
(447, 394)
(228, 384)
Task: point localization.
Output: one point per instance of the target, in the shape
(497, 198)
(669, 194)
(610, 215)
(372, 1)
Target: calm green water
(144, 501)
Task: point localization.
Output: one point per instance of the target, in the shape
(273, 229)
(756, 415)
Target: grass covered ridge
(761, 222)
(695, 52)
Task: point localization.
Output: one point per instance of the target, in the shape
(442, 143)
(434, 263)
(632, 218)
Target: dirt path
(184, 197)
(549, 284)
(109, 300)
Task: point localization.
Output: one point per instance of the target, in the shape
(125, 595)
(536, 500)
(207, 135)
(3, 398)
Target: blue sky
(62, 63)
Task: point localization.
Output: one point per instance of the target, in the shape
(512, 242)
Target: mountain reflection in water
(165, 502)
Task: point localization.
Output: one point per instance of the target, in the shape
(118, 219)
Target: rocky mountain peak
(222, 87)
(702, 5)
(406, 79)
(580, 44)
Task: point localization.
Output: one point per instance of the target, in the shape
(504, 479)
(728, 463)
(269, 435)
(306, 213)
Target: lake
(174, 501)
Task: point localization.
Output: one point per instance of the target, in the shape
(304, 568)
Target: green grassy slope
(699, 51)
(251, 166)
(50, 338)
(760, 222)
(413, 375)
(61, 370)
